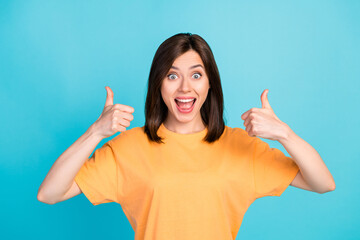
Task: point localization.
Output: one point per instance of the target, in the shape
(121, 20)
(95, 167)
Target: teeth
(185, 100)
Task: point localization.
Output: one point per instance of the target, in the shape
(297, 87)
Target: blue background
(57, 57)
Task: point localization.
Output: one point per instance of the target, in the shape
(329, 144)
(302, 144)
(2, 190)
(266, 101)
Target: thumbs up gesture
(114, 117)
(263, 122)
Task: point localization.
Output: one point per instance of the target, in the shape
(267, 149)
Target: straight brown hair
(156, 110)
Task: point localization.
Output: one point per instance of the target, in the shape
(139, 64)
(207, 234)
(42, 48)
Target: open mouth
(185, 105)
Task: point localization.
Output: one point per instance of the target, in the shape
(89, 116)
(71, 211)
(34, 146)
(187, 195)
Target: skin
(313, 175)
(185, 81)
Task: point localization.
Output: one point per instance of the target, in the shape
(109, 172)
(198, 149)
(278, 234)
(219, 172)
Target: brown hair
(155, 109)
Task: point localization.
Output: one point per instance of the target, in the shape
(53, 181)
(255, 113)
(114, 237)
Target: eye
(169, 76)
(199, 74)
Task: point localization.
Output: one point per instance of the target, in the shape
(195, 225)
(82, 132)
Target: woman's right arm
(59, 183)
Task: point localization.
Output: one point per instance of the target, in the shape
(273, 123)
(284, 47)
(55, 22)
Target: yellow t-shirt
(185, 188)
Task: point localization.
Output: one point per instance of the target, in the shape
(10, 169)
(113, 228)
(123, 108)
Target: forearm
(62, 173)
(311, 165)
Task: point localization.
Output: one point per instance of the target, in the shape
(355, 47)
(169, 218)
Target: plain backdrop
(56, 57)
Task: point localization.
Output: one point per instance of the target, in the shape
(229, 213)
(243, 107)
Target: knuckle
(124, 123)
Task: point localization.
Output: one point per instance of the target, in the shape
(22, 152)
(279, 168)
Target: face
(186, 78)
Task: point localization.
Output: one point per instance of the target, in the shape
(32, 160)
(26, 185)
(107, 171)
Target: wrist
(285, 134)
(93, 131)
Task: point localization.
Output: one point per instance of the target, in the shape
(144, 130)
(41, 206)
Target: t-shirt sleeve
(97, 178)
(273, 171)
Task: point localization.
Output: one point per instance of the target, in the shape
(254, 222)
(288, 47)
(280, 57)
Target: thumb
(109, 97)
(264, 100)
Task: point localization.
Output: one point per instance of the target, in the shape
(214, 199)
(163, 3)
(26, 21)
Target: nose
(185, 85)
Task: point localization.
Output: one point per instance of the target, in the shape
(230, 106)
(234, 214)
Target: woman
(184, 174)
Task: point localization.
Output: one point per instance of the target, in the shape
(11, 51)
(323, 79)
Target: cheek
(203, 90)
(202, 84)
(166, 95)
(204, 95)
(168, 90)
(163, 90)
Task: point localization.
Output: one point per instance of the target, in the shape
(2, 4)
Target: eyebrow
(197, 65)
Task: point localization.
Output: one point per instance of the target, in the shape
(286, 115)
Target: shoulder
(236, 132)
(238, 135)
(133, 135)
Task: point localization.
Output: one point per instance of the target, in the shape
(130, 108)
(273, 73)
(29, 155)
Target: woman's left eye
(197, 74)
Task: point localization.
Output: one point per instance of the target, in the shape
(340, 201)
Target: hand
(114, 118)
(263, 122)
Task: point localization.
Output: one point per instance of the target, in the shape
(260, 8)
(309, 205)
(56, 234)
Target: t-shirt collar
(197, 136)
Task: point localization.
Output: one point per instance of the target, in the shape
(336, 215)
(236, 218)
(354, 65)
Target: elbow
(329, 189)
(333, 186)
(42, 199)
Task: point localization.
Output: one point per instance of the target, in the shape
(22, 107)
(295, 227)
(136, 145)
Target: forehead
(190, 57)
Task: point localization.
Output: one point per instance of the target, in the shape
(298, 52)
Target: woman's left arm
(313, 171)
(313, 174)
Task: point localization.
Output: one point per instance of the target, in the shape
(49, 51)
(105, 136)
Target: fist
(114, 117)
(263, 122)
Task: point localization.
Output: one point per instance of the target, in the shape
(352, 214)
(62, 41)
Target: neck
(185, 128)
